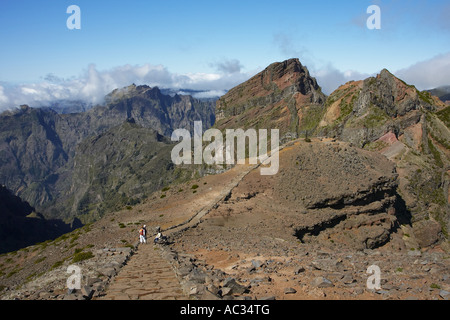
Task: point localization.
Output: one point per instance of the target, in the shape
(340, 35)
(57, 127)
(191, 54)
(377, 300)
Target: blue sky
(214, 44)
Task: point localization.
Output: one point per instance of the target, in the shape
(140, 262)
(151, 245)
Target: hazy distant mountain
(442, 93)
(69, 106)
(40, 148)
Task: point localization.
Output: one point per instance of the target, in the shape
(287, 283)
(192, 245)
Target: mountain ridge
(38, 146)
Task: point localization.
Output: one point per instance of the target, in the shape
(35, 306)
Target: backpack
(141, 232)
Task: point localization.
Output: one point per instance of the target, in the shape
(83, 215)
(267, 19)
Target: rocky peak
(277, 97)
(375, 105)
(24, 107)
(394, 96)
(128, 92)
(385, 114)
(291, 73)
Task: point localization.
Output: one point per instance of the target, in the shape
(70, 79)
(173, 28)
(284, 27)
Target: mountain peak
(292, 64)
(274, 98)
(385, 72)
(386, 75)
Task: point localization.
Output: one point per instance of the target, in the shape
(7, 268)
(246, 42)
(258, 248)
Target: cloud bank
(92, 85)
(330, 78)
(428, 74)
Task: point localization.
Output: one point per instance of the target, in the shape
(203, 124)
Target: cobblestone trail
(147, 276)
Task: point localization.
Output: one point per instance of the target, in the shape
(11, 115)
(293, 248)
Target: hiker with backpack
(143, 234)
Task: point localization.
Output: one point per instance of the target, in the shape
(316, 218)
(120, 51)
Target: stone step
(147, 276)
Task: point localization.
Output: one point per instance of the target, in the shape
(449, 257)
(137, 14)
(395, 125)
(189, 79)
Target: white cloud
(330, 78)
(209, 94)
(428, 74)
(3, 98)
(92, 85)
(228, 66)
(288, 48)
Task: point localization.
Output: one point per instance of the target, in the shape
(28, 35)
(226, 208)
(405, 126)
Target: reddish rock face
(278, 97)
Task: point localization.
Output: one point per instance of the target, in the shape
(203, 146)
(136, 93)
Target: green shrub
(12, 273)
(82, 256)
(57, 264)
(435, 286)
(40, 260)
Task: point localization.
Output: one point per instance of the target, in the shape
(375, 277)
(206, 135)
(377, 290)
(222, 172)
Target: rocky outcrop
(277, 98)
(363, 111)
(325, 192)
(409, 127)
(349, 195)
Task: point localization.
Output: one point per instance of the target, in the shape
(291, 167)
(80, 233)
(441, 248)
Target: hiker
(159, 235)
(142, 234)
(145, 231)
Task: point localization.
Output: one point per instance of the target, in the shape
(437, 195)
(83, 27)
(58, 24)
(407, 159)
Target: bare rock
(321, 282)
(426, 232)
(289, 291)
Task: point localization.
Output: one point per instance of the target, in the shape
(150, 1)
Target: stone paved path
(147, 276)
